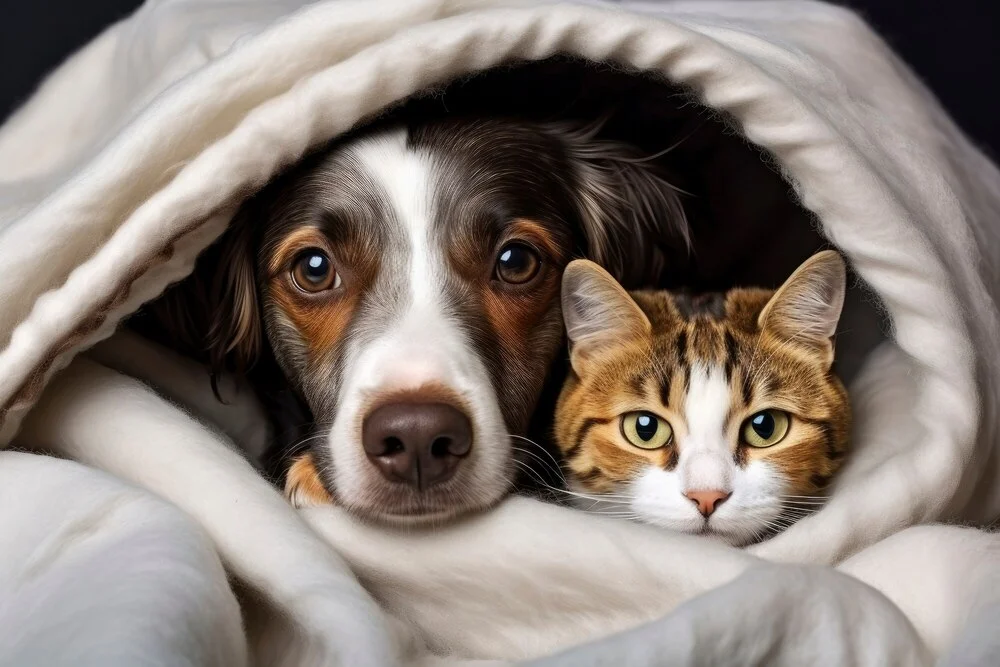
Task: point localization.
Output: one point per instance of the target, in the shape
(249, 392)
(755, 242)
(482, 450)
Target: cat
(718, 414)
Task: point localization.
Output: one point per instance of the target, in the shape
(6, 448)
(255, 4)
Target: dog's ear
(212, 315)
(235, 333)
(628, 208)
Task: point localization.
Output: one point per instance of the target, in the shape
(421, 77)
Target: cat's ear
(806, 309)
(599, 313)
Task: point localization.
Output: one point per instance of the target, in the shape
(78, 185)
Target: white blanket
(132, 156)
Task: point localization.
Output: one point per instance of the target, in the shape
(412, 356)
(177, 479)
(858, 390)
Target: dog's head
(407, 281)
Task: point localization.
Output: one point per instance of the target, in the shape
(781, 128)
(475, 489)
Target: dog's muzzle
(419, 444)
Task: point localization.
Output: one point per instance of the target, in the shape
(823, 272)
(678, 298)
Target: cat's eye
(517, 263)
(645, 430)
(313, 272)
(766, 428)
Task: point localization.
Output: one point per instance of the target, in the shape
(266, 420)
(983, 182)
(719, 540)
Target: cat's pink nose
(707, 501)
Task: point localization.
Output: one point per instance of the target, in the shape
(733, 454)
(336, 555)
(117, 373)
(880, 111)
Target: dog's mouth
(397, 504)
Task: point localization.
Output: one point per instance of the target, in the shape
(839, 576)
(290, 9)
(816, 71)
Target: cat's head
(716, 414)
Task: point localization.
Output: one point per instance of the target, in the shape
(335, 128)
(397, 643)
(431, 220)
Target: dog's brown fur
(555, 187)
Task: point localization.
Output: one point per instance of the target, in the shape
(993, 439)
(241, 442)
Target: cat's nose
(707, 501)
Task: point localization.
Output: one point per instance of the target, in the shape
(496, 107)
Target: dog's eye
(517, 263)
(313, 272)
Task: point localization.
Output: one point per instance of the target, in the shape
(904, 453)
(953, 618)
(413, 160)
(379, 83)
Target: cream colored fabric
(131, 158)
(100, 573)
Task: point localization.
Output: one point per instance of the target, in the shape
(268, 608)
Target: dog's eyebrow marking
(535, 232)
(296, 241)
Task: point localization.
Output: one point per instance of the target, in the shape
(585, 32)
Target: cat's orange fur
(643, 356)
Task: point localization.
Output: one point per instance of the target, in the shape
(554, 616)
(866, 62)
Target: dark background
(950, 43)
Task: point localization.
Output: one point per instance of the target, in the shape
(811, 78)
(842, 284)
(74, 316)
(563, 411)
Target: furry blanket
(132, 157)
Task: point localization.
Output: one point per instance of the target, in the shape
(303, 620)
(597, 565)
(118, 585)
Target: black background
(951, 44)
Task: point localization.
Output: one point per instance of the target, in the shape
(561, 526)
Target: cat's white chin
(751, 512)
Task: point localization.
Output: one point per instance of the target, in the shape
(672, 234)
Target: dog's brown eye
(517, 263)
(313, 272)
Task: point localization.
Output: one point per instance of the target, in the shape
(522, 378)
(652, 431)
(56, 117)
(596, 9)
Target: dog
(404, 282)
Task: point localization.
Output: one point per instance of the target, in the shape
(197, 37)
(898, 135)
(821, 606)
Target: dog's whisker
(548, 466)
(596, 498)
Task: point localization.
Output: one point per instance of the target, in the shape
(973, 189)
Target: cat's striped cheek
(593, 480)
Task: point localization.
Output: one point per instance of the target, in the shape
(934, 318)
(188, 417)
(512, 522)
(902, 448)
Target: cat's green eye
(646, 430)
(766, 428)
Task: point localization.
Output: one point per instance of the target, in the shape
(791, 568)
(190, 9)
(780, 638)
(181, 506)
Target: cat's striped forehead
(711, 330)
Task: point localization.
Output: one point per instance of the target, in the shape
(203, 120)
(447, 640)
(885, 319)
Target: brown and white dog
(406, 281)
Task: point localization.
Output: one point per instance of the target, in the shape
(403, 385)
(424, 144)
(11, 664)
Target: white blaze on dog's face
(408, 282)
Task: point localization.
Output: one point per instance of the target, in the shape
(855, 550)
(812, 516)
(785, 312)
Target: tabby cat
(718, 414)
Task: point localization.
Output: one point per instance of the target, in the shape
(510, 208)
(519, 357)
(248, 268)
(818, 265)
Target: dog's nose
(707, 501)
(420, 444)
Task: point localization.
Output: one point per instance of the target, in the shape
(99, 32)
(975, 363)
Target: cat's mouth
(734, 537)
(713, 529)
(709, 530)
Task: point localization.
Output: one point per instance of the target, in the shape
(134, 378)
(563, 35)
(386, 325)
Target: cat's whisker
(786, 520)
(797, 513)
(773, 528)
(803, 503)
(800, 510)
(807, 506)
(753, 535)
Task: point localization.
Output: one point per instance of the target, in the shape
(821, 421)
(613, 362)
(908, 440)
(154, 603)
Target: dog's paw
(303, 487)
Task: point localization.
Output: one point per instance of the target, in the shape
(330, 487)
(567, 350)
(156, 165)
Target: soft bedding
(132, 157)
